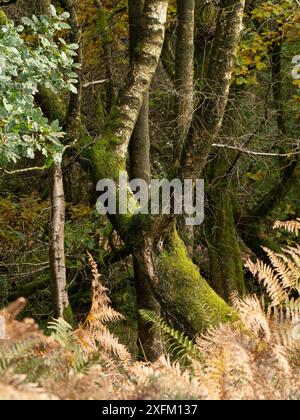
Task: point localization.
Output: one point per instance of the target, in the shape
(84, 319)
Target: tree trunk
(184, 72)
(44, 7)
(184, 83)
(209, 117)
(162, 256)
(186, 298)
(70, 118)
(61, 306)
(251, 225)
(149, 342)
(107, 50)
(110, 151)
(226, 264)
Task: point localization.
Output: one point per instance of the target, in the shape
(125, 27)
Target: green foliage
(61, 331)
(178, 344)
(15, 352)
(30, 56)
(267, 24)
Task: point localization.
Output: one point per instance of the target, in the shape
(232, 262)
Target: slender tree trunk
(251, 225)
(139, 147)
(110, 152)
(209, 117)
(149, 342)
(226, 264)
(61, 305)
(60, 299)
(184, 83)
(107, 50)
(184, 72)
(72, 122)
(44, 7)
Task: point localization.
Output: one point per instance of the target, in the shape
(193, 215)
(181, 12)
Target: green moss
(193, 303)
(68, 315)
(3, 18)
(103, 26)
(52, 105)
(224, 250)
(106, 162)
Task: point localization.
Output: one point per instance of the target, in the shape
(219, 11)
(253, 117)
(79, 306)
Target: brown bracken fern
(256, 356)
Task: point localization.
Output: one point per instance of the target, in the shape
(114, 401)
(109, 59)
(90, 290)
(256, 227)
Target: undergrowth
(256, 357)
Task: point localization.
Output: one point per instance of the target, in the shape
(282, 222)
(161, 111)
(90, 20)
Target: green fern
(177, 342)
(11, 354)
(61, 331)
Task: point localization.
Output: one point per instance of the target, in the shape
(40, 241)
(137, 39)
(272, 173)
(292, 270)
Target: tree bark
(61, 306)
(184, 294)
(44, 7)
(251, 225)
(110, 151)
(107, 50)
(149, 342)
(184, 84)
(209, 117)
(184, 72)
(226, 264)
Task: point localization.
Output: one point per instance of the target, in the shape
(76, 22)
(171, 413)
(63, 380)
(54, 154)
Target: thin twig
(20, 171)
(96, 82)
(252, 152)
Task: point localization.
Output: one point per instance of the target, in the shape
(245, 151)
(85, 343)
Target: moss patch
(194, 304)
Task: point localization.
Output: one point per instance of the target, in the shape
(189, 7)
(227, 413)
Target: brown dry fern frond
(292, 226)
(94, 335)
(282, 277)
(270, 279)
(251, 312)
(101, 312)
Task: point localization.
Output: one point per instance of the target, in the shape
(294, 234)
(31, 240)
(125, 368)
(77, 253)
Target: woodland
(120, 306)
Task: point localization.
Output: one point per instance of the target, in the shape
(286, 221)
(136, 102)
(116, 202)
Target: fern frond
(61, 331)
(177, 341)
(288, 272)
(251, 312)
(12, 353)
(270, 279)
(111, 345)
(101, 312)
(292, 226)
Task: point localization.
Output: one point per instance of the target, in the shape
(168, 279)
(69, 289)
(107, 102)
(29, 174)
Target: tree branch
(23, 170)
(254, 153)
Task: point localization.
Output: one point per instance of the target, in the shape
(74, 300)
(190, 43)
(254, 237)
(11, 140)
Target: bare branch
(252, 152)
(95, 82)
(23, 170)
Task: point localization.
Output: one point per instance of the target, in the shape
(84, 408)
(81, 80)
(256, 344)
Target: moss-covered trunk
(162, 257)
(226, 265)
(149, 341)
(185, 296)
